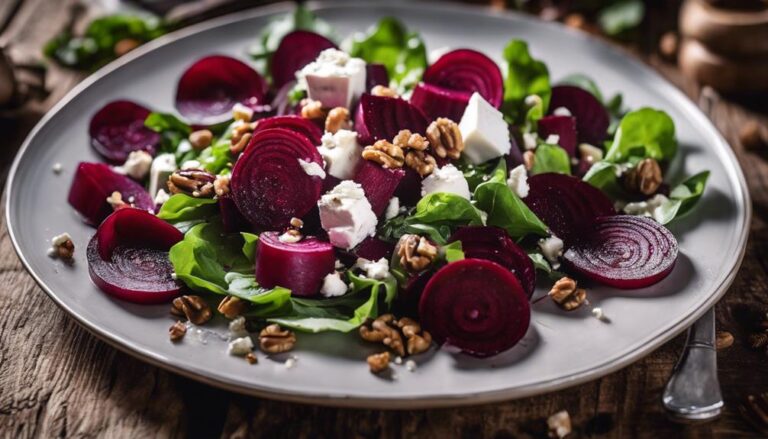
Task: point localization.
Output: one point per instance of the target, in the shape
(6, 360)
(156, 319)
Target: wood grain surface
(57, 380)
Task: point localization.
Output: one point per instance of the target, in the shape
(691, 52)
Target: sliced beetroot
(436, 101)
(128, 257)
(515, 156)
(299, 266)
(382, 117)
(269, 184)
(301, 125)
(409, 189)
(624, 251)
(495, 244)
(592, 118)
(468, 71)
(281, 102)
(562, 126)
(373, 249)
(378, 183)
(211, 86)
(94, 183)
(117, 129)
(475, 305)
(296, 50)
(376, 74)
(407, 302)
(232, 220)
(566, 204)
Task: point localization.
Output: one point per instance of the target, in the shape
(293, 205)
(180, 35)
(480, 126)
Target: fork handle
(693, 391)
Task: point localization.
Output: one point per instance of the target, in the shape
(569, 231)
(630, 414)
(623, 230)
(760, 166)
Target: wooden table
(56, 379)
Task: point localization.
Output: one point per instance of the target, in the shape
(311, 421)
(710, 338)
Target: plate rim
(684, 103)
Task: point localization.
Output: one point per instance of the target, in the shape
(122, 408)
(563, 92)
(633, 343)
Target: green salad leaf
(249, 247)
(682, 198)
(172, 130)
(525, 76)
(621, 16)
(551, 158)
(645, 133)
(604, 176)
(187, 210)
(583, 81)
(475, 174)
(445, 209)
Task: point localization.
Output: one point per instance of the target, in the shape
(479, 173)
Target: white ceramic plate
(560, 350)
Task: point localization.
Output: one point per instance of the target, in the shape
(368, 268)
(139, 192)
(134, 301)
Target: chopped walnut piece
(62, 247)
(221, 185)
(416, 252)
(644, 178)
(251, 358)
(239, 146)
(385, 153)
(200, 139)
(232, 306)
(194, 308)
(566, 295)
(338, 118)
(116, 201)
(273, 339)
(296, 223)
(380, 90)
(194, 182)
(405, 139)
(420, 162)
(446, 140)
(723, 340)
(418, 340)
(378, 362)
(528, 159)
(383, 330)
(177, 331)
(559, 425)
(312, 109)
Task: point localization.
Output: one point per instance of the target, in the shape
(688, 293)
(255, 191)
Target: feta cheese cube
(333, 286)
(334, 78)
(162, 196)
(378, 270)
(342, 153)
(162, 167)
(446, 179)
(552, 249)
(485, 132)
(137, 165)
(553, 139)
(346, 214)
(518, 181)
(240, 346)
(530, 141)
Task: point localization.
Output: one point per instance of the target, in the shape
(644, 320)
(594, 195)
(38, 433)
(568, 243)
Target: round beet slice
(211, 86)
(94, 183)
(468, 71)
(269, 184)
(437, 101)
(566, 204)
(562, 126)
(475, 305)
(296, 50)
(128, 257)
(118, 128)
(298, 266)
(624, 251)
(592, 118)
(495, 244)
(301, 125)
(382, 117)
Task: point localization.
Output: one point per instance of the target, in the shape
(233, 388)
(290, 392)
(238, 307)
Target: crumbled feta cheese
(398, 360)
(530, 141)
(241, 112)
(552, 249)
(338, 265)
(410, 365)
(237, 328)
(553, 139)
(393, 208)
(446, 179)
(341, 153)
(518, 181)
(184, 146)
(378, 270)
(56, 168)
(649, 208)
(599, 314)
(485, 132)
(346, 214)
(312, 169)
(334, 78)
(59, 240)
(162, 167)
(290, 363)
(562, 111)
(240, 346)
(559, 425)
(162, 196)
(137, 165)
(289, 237)
(436, 54)
(191, 164)
(589, 153)
(333, 285)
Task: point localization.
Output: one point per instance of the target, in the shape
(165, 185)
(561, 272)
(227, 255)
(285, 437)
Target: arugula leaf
(525, 76)
(621, 16)
(172, 130)
(551, 158)
(682, 198)
(182, 208)
(645, 133)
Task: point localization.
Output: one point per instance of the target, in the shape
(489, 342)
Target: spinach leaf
(604, 176)
(182, 208)
(475, 174)
(445, 209)
(264, 301)
(621, 16)
(249, 248)
(551, 158)
(172, 130)
(682, 198)
(542, 264)
(217, 158)
(525, 76)
(645, 133)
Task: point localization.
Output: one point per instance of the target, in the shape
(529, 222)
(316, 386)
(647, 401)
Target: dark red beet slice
(296, 50)
(232, 220)
(128, 257)
(373, 249)
(437, 101)
(376, 74)
(211, 86)
(562, 126)
(281, 103)
(301, 125)
(378, 183)
(409, 189)
(94, 183)
(299, 266)
(407, 303)
(592, 118)
(624, 251)
(269, 184)
(475, 305)
(118, 128)
(515, 156)
(468, 71)
(495, 244)
(566, 204)
(381, 117)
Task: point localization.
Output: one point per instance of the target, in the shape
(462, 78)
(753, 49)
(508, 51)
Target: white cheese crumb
(338, 265)
(237, 328)
(162, 196)
(599, 314)
(191, 164)
(184, 146)
(240, 346)
(241, 112)
(410, 365)
(552, 249)
(289, 238)
(532, 100)
(529, 141)
(347, 215)
(559, 425)
(553, 139)
(398, 360)
(378, 270)
(393, 208)
(518, 181)
(162, 167)
(446, 179)
(56, 168)
(333, 286)
(649, 208)
(174, 276)
(59, 240)
(291, 362)
(312, 169)
(342, 153)
(137, 165)
(562, 111)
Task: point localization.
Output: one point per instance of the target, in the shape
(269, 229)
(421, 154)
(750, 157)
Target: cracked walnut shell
(194, 308)
(273, 339)
(446, 140)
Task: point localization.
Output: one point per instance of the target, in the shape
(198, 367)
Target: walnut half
(194, 308)
(416, 252)
(378, 362)
(194, 182)
(385, 153)
(566, 295)
(644, 178)
(446, 140)
(273, 339)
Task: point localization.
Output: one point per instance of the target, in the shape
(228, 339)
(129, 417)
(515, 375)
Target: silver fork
(693, 392)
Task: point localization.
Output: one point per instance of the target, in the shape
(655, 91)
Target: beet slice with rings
(624, 251)
(128, 257)
(117, 129)
(378, 183)
(495, 244)
(566, 204)
(211, 86)
(296, 50)
(437, 101)
(469, 71)
(301, 125)
(269, 184)
(475, 305)
(94, 183)
(299, 266)
(562, 126)
(376, 74)
(592, 118)
(382, 117)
